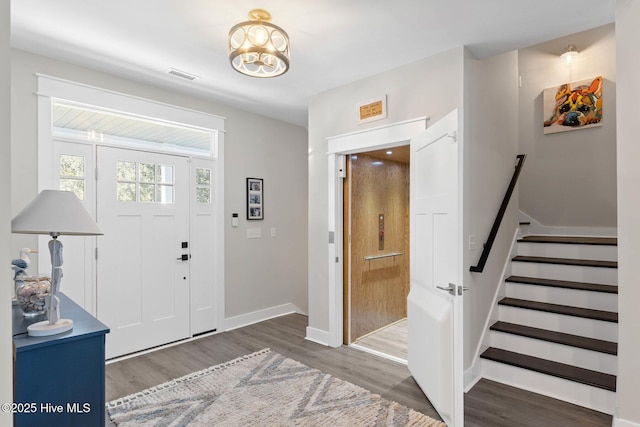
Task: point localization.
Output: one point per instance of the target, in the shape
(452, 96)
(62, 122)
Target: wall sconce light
(569, 55)
(258, 48)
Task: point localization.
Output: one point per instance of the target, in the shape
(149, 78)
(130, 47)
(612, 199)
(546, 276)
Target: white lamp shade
(55, 212)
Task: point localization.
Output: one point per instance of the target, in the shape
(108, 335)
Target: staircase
(557, 329)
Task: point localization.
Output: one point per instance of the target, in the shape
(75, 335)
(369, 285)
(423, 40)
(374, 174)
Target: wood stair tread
(607, 316)
(572, 240)
(566, 261)
(549, 367)
(557, 337)
(595, 287)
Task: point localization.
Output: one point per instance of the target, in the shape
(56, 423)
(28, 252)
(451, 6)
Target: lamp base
(43, 329)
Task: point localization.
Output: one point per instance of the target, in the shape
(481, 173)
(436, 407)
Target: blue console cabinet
(59, 379)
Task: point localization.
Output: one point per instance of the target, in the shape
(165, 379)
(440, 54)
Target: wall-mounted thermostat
(234, 220)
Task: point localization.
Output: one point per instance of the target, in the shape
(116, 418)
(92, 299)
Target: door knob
(184, 257)
(451, 288)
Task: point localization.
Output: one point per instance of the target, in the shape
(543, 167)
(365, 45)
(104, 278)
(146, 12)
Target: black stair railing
(496, 224)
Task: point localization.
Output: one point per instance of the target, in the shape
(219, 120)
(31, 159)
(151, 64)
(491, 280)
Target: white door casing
(435, 349)
(393, 135)
(143, 282)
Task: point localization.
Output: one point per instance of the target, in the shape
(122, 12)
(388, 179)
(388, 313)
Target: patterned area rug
(261, 389)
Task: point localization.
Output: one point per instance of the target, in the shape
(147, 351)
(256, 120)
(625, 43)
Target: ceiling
(333, 42)
(400, 154)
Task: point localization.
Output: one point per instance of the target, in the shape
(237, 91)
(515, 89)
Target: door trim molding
(392, 135)
(55, 87)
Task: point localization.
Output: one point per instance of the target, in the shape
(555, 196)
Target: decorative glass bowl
(30, 294)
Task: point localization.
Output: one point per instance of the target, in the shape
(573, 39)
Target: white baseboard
(247, 319)
(617, 422)
(471, 377)
(317, 336)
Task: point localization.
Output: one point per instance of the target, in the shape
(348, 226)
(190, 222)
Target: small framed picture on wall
(255, 199)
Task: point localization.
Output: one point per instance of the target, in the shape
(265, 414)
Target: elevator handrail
(394, 254)
(496, 224)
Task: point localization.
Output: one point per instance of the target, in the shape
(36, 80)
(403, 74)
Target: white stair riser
(563, 296)
(523, 230)
(559, 250)
(558, 388)
(589, 328)
(574, 356)
(601, 275)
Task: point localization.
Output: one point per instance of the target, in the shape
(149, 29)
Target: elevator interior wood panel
(379, 228)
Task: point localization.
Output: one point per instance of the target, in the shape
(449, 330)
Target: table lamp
(55, 213)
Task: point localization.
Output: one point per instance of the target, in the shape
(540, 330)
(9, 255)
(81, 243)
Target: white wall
(570, 177)
(430, 87)
(491, 139)
(254, 147)
(6, 348)
(628, 146)
(269, 271)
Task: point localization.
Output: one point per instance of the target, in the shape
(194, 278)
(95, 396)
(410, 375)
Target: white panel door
(434, 314)
(143, 277)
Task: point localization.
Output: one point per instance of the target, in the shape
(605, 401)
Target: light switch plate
(254, 233)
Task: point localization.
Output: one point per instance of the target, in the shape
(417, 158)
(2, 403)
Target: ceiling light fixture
(258, 48)
(569, 55)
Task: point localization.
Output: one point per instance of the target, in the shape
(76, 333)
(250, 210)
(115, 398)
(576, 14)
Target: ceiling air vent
(182, 74)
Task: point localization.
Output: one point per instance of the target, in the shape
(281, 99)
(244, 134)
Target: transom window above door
(80, 122)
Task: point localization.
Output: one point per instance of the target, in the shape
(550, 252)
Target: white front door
(435, 314)
(143, 257)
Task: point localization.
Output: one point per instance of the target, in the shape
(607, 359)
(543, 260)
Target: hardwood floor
(487, 404)
(490, 403)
